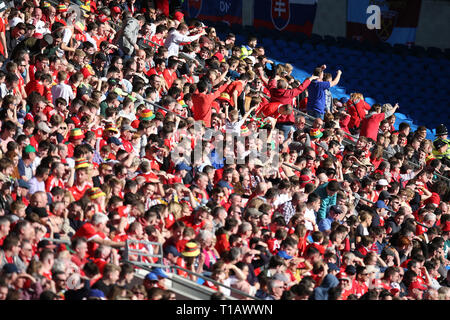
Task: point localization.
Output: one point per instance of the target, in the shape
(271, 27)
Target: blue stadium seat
(401, 117)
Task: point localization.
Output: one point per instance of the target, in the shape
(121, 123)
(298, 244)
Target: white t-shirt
(309, 213)
(234, 127)
(281, 199)
(14, 21)
(40, 27)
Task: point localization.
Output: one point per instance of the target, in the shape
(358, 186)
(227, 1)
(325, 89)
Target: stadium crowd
(111, 123)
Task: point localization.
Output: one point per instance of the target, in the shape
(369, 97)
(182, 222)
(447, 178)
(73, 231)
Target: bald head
(39, 199)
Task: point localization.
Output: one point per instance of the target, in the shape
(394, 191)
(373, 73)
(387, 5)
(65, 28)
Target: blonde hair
(176, 209)
(288, 67)
(234, 115)
(17, 205)
(356, 95)
(364, 216)
(255, 203)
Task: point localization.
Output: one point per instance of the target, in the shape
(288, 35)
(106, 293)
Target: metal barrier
(60, 241)
(173, 268)
(129, 251)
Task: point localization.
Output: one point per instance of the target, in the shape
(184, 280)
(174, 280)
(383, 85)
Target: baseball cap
(323, 145)
(258, 163)
(113, 81)
(43, 127)
(254, 212)
(350, 270)
(381, 204)
(395, 287)
(383, 182)
(178, 16)
(96, 293)
(114, 140)
(343, 276)
(45, 244)
(151, 277)
(224, 184)
(336, 209)
(10, 268)
(182, 166)
(3, 6)
(304, 180)
(48, 38)
(284, 255)
(159, 273)
(333, 267)
(173, 250)
(384, 195)
(23, 184)
(127, 127)
(103, 18)
(29, 148)
(417, 285)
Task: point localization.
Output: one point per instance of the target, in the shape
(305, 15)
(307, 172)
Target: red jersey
(169, 76)
(189, 222)
(78, 191)
(234, 86)
(359, 288)
(89, 232)
(52, 182)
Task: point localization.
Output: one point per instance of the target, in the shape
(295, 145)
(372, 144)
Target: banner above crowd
(282, 15)
(398, 20)
(227, 11)
(285, 15)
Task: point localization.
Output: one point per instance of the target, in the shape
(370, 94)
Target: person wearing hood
(371, 122)
(321, 292)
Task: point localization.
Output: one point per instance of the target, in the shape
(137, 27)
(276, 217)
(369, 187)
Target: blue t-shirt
(325, 224)
(316, 96)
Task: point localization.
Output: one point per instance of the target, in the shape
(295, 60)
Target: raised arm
(336, 80)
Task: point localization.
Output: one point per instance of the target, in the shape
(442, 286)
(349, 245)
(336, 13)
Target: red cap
(343, 275)
(394, 289)
(116, 9)
(135, 123)
(305, 180)
(102, 18)
(417, 285)
(178, 16)
(219, 56)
